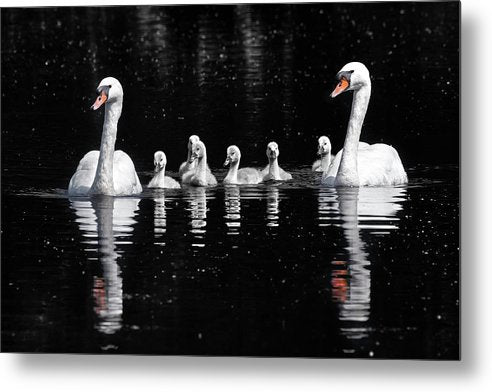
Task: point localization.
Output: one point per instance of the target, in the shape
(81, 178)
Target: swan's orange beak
(99, 101)
(340, 88)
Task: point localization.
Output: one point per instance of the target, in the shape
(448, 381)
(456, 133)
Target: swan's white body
(324, 151)
(361, 164)
(273, 171)
(160, 180)
(377, 165)
(106, 172)
(320, 164)
(246, 175)
(125, 178)
(199, 176)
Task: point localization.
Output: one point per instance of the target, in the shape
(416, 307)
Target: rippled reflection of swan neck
(356, 307)
(197, 200)
(273, 206)
(105, 217)
(159, 217)
(232, 203)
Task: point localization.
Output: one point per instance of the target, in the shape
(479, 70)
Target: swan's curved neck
(232, 173)
(103, 181)
(201, 168)
(274, 169)
(159, 176)
(325, 161)
(189, 154)
(347, 172)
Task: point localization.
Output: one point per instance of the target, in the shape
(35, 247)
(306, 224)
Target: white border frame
(51, 372)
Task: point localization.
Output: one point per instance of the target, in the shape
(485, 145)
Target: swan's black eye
(110, 85)
(344, 75)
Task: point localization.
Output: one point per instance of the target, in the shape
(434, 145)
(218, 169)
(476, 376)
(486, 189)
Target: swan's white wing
(125, 178)
(187, 175)
(211, 180)
(316, 165)
(170, 182)
(186, 167)
(82, 179)
(155, 183)
(377, 165)
(285, 175)
(182, 168)
(380, 165)
(248, 175)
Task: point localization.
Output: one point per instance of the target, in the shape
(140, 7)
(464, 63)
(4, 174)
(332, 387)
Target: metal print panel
(234, 180)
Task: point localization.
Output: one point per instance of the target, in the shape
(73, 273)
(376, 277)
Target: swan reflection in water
(197, 206)
(232, 203)
(369, 209)
(106, 222)
(272, 206)
(159, 217)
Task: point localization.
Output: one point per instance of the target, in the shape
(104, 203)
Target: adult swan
(107, 172)
(361, 164)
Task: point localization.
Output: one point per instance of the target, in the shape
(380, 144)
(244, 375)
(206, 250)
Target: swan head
(198, 151)
(160, 161)
(191, 141)
(324, 146)
(272, 151)
(352, 76)
(233, 155)
(109, 90)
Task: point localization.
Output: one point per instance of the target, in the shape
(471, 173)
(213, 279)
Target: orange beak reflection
(99, 101)
(340, 88)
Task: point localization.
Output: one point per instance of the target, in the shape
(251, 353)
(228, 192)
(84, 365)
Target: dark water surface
(276, 269)
(289, 269)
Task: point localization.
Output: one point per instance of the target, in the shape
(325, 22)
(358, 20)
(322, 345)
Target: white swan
(273, 171)
(199, 176)
(188, 165)
(361, 164)
(246, 175)
(107, 172)
(160, 180)
(324, 151)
